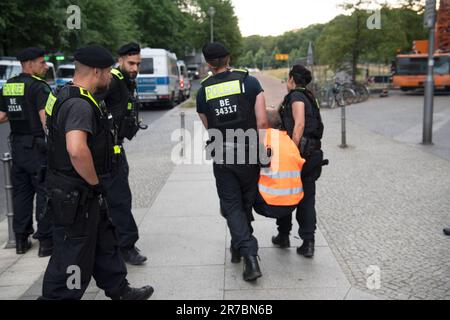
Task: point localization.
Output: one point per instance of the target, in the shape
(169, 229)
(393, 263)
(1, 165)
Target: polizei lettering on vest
(223, 90)
(187, 310)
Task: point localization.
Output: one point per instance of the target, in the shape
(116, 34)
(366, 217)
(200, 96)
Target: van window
(183, 71)
(7, 72)
(65, 73)
(174, 67)
(147, 66)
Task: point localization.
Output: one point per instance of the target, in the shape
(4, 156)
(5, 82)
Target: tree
(38, 25)
(260, 58)
(346, 39)
(226, 28)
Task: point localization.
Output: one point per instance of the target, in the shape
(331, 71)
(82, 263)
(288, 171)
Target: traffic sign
(282, 57)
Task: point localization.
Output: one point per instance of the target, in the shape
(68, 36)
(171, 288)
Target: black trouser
(237, 188)
(305, 215)
(270, 211)
(28, 172)
(119, 200)
(88, 245)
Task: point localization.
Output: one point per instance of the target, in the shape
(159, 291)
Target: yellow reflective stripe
(38, 78)
(117, 150)
(130, 106)
(13, 89)
(117, 73)
(209, 76)
(224, 89)
(50, 104)
(239, 70)
(86, 93)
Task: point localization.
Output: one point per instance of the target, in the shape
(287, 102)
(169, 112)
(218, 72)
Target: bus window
(442, 65)
(411, 66)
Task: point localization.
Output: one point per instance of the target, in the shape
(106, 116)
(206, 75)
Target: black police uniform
(236, 183)
(312, 153)
(22, 99)
(121, 104)
(83, 234)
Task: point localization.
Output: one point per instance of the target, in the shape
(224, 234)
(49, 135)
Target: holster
(68, 198)
(128, 127)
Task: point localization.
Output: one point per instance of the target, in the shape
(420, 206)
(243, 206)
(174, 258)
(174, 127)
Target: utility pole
(211, 13)
(430, 22)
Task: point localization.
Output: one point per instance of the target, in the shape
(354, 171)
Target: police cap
(30, 54)
(131, 48)
(94, 56)
(214, 50)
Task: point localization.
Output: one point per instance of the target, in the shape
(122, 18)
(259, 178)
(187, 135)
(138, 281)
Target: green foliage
(346, 40)
(176, 25)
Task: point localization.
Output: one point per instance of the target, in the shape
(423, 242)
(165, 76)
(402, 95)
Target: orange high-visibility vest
(281, 184)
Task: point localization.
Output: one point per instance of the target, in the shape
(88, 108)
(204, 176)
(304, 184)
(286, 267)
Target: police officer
(121, 103)
(231, 100)
(80, 151)
(301, 119)
(22, 103)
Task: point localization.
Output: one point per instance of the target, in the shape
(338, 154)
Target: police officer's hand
(100, 189)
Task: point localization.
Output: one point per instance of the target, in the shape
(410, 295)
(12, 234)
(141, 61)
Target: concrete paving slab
(6, 263)
(184, 199)
(265, 228)
(182, 283)
(204, 169)
(357, 294)
(12, 292)
(285, 269)
(183, 241)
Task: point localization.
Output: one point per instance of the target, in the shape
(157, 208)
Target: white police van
(64, 74)
(158, 78)
(10, 67)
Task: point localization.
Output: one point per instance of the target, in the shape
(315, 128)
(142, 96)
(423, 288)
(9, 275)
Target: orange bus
(411, 71)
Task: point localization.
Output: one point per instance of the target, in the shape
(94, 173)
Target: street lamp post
(211, 13)
(430, 22)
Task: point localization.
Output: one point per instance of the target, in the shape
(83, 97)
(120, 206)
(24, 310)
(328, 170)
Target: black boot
(251, 268)
(235, 255)
(282, 240)
(45, 248)
(23, 244)
(132, 256)
(306, 249)
(447, 231)
(130, 293)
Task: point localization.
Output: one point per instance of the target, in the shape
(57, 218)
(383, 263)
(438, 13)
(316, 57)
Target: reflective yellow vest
(281, 184)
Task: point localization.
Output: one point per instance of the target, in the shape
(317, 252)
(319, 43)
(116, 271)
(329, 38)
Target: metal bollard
(182, 138)
(344, 129)
(7, 163)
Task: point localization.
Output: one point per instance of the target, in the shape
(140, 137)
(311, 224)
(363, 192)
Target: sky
(274, 17)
